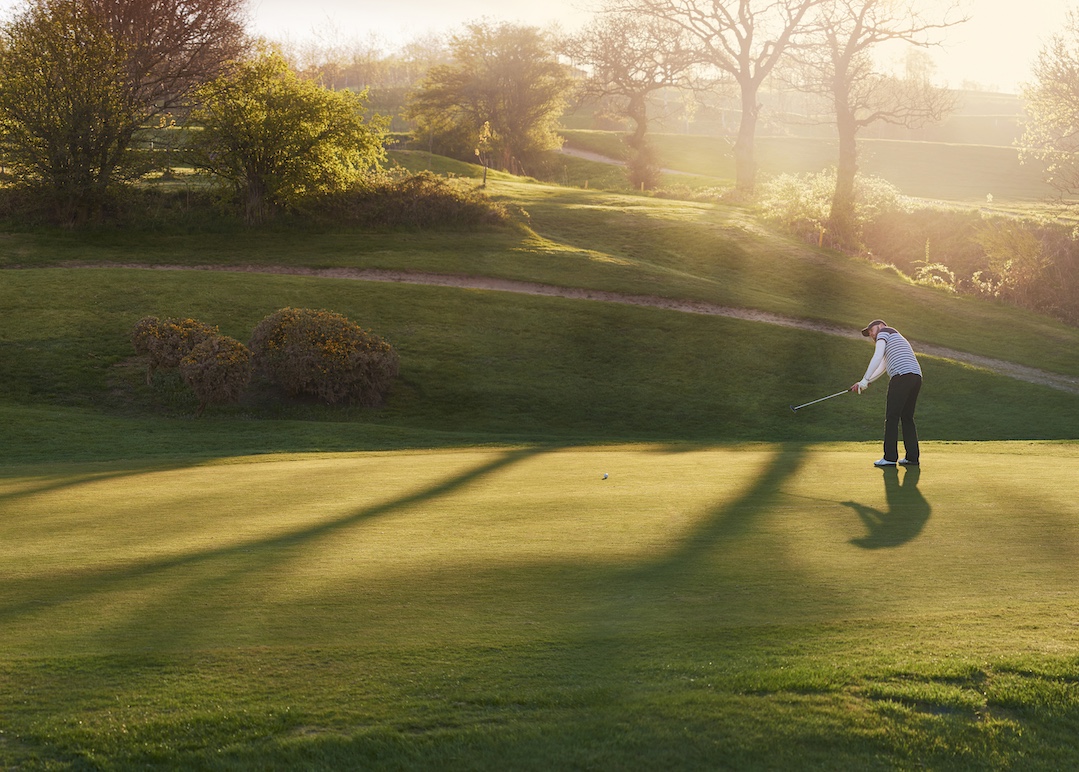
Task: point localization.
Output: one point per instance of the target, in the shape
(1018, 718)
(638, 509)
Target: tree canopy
(630, 57)
(504, 75)
(79, 79)
(745, 39)
(275, 137)
(66, 109)
(837, 61)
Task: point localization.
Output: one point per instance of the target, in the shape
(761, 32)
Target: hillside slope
(489, 366)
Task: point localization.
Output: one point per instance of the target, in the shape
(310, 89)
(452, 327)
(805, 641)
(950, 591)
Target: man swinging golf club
(894, 355)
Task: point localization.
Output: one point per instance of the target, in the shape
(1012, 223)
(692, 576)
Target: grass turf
(751, 606)
(478, 367)
(765, 605)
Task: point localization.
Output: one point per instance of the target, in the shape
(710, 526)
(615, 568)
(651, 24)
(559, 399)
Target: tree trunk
(255, 204)
(745, 165)
(638, 113)
(843, 220)
(643, 170)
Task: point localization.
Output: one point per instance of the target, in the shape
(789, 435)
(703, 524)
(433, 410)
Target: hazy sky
(995, 48)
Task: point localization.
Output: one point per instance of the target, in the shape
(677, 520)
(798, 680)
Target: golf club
(796, 408)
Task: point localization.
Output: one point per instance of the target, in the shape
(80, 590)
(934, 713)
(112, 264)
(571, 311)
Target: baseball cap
(865, 331)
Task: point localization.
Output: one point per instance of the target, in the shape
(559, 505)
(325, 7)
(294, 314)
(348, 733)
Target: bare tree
(744, 38)
(840, 65)
(629, 58)
(172, 46)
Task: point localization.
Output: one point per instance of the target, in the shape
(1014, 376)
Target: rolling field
(449, 581)
(933, 170)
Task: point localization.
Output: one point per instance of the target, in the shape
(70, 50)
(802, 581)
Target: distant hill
(949, 171)
(980, 118)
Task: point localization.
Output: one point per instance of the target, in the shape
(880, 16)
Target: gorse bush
(218, 370)
(305, 352)
(325, 355)
(167, 341)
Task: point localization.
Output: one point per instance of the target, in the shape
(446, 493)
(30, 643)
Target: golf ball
(604, 475)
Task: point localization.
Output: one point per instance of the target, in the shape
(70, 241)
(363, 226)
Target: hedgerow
(325, 355)
(421, 200)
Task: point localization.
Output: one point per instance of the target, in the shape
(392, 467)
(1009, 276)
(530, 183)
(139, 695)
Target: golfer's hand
(859, 387)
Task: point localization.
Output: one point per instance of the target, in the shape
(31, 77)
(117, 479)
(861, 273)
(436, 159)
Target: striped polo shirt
(898, 355)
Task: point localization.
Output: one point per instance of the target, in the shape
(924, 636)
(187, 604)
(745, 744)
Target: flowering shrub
(802, 203)
(218, 370)
(167, 341)
(323, 354)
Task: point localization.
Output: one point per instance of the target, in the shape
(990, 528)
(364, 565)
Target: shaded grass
(476, 367)
(470, 609)
(616, 243)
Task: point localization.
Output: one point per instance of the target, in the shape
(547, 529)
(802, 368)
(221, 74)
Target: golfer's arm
(876, 364)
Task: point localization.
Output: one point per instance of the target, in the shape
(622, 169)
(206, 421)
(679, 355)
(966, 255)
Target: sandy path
(1012, 370)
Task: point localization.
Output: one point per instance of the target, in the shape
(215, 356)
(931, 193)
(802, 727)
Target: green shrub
(802, 203)
(218, 370)
(167, 341)
(323, 354)
(421, 200)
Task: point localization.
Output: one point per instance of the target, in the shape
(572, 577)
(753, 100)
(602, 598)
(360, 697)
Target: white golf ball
(604, 475)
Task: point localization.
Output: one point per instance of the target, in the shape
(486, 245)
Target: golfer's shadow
(907, 511)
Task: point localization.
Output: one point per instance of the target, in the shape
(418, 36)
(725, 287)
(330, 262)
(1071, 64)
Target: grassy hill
(531, 368)
(450, 581)
(934, 170)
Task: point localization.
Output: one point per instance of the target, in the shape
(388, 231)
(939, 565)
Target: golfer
(895, 356)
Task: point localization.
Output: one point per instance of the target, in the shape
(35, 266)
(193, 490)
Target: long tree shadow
(44, 484)
(730, 521)
(907, 512)
(34, 594)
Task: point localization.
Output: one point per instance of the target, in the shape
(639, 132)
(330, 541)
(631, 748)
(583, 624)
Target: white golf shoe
(884, 462)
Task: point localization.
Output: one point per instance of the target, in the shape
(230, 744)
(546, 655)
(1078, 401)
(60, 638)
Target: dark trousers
(902, 397)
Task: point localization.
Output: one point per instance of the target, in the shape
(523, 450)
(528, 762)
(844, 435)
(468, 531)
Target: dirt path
(1019, 372)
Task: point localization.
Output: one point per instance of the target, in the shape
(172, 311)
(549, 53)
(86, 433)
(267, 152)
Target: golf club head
(794, 409)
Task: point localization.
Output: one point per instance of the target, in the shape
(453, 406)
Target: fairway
(465, 608)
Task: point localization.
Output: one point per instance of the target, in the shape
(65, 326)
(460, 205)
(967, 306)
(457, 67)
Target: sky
(995, 48)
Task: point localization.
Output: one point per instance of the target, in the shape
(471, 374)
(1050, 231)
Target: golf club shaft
(830, 396)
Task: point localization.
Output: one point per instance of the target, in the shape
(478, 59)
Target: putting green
(495, 545)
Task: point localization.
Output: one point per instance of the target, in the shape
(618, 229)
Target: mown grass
(476, 366)
(612, 242)
(775, 606)
(450, 582)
